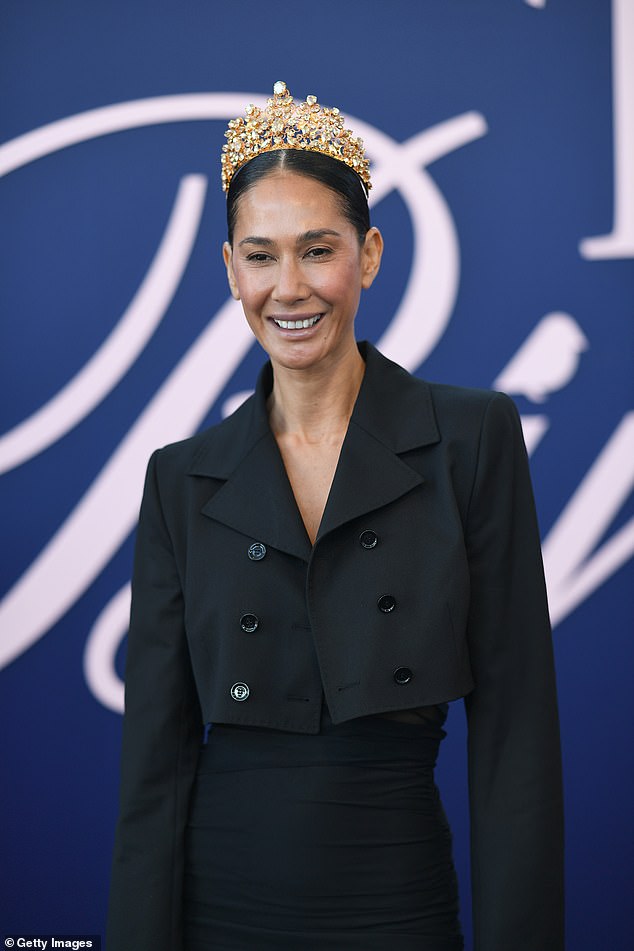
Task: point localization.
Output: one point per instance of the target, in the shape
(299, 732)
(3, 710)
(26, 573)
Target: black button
(386, 603)
(257, 551)
(368, 539)
(249, 623)
(402, 675)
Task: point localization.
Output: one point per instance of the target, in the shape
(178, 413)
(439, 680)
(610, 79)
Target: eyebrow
(307, 236)
(255, 240)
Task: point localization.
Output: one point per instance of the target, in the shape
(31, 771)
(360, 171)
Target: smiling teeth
(297, 324)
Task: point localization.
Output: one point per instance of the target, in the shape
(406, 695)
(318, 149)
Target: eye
(258, 257)
(318, 252)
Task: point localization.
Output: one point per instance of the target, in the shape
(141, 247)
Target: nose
(290, 284)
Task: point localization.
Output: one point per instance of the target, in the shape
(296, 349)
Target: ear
(227, 255)
(371, 254)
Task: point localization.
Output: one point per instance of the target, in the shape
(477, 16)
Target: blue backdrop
(502, 140)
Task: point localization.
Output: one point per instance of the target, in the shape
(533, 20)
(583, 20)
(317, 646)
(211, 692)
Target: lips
(301, 324)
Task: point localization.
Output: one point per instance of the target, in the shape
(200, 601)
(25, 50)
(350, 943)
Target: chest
(387, 588)
(310, 471)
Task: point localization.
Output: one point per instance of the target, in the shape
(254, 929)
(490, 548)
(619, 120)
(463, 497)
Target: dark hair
(332, 173)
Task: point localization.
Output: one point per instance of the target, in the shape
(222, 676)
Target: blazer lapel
(367, 477)
(256, 497)
(392, 415)
(258, 501)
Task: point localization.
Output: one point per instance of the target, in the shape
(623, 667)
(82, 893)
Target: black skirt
(323, 842)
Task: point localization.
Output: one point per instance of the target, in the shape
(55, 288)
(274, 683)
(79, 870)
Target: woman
(315, 578)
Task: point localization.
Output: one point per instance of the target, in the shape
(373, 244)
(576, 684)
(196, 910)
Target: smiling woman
(315, 579)
(298, 267)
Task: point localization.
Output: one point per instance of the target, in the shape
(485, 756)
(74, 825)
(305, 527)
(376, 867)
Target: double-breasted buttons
(249, 623)
(368, 539)
(386, 603)
(402, 675)
(240, 691)
(256, 551)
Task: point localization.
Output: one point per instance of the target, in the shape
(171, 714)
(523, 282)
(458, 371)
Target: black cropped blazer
(236, 618)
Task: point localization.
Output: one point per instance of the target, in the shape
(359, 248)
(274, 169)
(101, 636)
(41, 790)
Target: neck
(315, 406)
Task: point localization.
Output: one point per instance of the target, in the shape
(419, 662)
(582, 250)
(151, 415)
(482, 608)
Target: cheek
(344, 284)
(251, 287)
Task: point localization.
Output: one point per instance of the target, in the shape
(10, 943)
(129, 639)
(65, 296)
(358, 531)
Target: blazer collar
(392, 415)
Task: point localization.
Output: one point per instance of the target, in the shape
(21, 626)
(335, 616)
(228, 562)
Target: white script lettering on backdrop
(102, 520)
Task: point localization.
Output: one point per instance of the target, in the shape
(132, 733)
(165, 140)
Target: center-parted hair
(333, 174)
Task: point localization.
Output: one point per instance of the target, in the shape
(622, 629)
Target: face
(298, 268)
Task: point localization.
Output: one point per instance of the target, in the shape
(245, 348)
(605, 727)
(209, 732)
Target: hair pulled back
(332, 173)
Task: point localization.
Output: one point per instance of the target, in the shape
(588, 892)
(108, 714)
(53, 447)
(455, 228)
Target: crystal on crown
(283, 124)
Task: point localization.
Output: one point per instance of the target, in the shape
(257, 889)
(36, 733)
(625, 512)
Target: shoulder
(394, 388)
(478, 428)
(406, 411)
(450, 398)
(479, 406)
(213, 451)
(183, 452)
(481, 427)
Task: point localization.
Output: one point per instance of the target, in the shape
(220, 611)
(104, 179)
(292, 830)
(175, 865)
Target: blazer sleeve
(515, 784)
(161, 738)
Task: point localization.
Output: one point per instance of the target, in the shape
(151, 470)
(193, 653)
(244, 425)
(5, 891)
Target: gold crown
(285, 125)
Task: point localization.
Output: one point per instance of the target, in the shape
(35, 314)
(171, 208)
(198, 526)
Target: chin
(295, 358)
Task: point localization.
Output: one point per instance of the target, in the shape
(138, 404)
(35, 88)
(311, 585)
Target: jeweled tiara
(283, 124)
